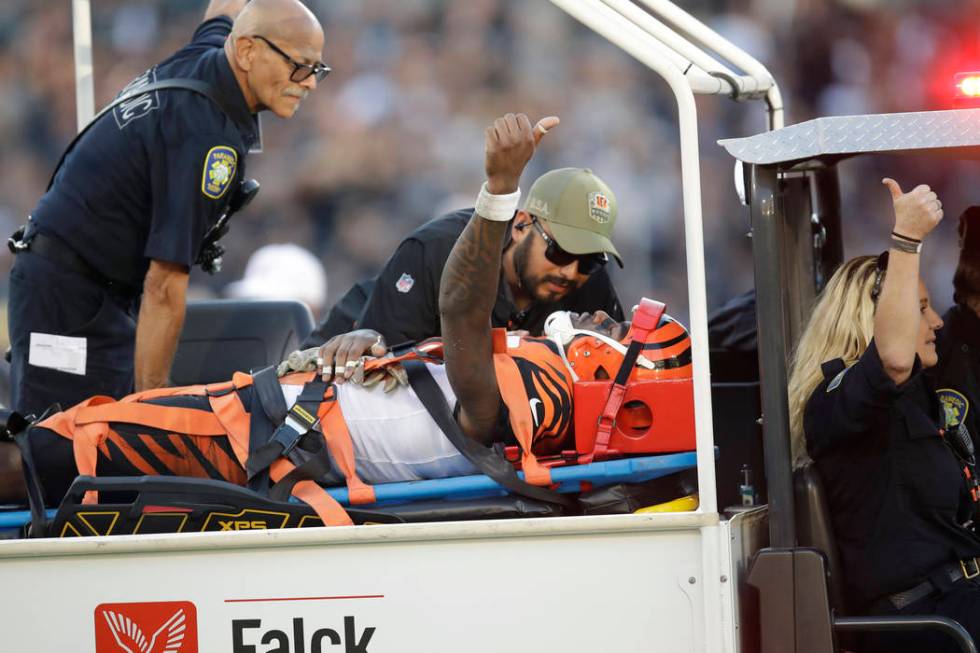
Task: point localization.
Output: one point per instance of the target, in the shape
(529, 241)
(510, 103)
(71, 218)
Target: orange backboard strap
(645, 322)
(341, 446)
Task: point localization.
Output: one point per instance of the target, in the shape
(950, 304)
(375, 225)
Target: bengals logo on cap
(163, 627)
(599, 208)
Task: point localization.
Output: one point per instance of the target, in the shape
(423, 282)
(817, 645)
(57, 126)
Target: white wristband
(499, 208)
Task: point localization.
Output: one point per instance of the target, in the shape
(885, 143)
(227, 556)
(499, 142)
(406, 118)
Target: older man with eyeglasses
(97, 291)
(554, 259)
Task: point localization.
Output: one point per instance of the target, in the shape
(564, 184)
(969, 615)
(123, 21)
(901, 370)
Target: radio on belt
(211, 250)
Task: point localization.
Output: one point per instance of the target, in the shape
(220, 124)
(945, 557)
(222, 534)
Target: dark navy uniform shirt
(958, 372)
(733, 326)
(896, 492)
(404, 301)
(151, 176)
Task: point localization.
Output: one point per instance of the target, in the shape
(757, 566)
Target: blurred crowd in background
(394, 136)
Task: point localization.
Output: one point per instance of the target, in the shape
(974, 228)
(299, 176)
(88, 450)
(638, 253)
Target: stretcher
(167, 504)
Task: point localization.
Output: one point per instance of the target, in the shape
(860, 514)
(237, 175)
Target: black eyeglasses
(881, 265)
(301, 71)
(587, 263)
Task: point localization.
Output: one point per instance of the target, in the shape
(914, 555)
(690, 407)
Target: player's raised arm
(469, 281)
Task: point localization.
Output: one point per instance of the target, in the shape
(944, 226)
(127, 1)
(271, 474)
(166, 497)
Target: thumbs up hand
(510, 143)
(917, 212)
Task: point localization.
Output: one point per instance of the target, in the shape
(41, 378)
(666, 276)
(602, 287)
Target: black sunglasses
(301, 71)
(587, 263)
(881, 265)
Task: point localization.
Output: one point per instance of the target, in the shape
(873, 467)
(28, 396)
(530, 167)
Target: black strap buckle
(298, 423)
(16, 243)
(970, 568)
(303, 417)
(287, 438)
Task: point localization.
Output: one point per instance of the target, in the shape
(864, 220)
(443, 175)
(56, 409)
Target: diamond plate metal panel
(849, 135)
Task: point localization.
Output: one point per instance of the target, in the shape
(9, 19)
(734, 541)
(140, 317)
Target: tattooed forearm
(466, 298)
(468, 290)
(469, 281)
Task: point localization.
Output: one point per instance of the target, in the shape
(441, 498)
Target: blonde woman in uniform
(862, 410)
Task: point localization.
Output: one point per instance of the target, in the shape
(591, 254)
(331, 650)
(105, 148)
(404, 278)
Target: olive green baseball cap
(580, 210)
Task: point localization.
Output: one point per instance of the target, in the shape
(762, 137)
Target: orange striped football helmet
(667, 355)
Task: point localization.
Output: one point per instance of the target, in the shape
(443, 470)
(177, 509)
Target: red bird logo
(120, 628)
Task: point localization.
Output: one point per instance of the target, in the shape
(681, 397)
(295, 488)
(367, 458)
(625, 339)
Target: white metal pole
(641, 46)
(81, 14)
(703, 35)
(670, 38)
(620, 31)
(774, 101)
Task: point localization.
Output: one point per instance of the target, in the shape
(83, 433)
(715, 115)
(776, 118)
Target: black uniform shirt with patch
(404, 303)
(895, 489)
(958, 346)
(150, 177)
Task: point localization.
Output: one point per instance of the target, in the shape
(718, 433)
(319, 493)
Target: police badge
(220, 165)
(955, 405)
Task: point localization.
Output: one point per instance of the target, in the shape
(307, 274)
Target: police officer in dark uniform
(97, 291)
(958, 342)
(554, 259)
(900, 501)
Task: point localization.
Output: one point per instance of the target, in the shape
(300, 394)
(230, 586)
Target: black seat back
(814, 529)
(735, 409)
(221, 337)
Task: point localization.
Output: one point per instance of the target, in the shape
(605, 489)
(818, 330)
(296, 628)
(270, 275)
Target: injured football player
(354, 412)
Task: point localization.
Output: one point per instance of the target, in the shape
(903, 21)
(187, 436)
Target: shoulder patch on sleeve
(219, 169)
(835, 382)
(955, 405)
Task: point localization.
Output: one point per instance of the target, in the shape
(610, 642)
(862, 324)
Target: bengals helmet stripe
(667, 354)
(664, 345)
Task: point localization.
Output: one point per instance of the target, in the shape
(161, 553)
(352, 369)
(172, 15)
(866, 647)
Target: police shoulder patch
(955, 405)
(219, 169)
(835, 382)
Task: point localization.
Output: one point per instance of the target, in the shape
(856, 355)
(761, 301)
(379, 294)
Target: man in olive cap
(554, 259)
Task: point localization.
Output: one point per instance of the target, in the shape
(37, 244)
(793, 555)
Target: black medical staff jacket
(896, 492)
(958, 345)
(404, 302)
(152, 175)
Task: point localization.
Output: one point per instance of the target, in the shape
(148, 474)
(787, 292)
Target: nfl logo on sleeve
(404, 283)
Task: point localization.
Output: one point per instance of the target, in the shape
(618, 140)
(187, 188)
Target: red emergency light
(967, 88)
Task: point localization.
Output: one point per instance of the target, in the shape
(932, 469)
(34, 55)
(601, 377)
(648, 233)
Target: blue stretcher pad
(13, 519)
(568, 479)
